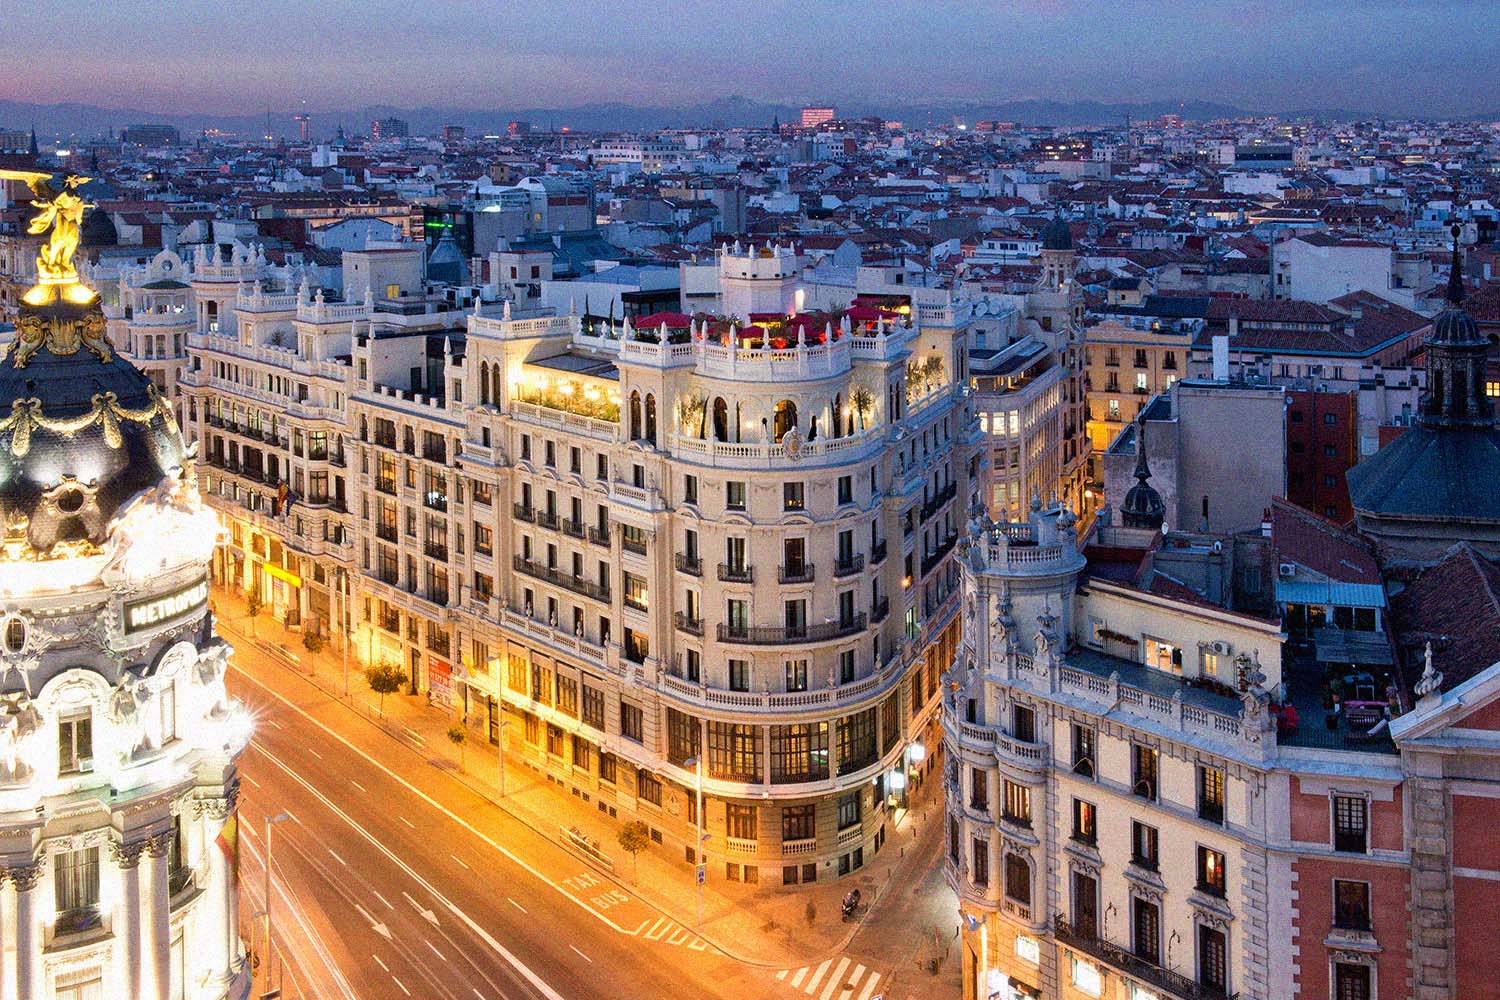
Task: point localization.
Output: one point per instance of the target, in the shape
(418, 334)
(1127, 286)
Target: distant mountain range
(74, 121)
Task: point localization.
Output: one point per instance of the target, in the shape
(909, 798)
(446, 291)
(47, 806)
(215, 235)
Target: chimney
(1221, 358)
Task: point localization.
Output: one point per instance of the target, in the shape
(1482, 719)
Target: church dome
(1142, 507)
(1056, 235)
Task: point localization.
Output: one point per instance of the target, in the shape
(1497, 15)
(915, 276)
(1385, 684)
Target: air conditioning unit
(1219, 647)
(86, 765)
(1287, 570)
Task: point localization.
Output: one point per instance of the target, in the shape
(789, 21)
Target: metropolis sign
(158, 610)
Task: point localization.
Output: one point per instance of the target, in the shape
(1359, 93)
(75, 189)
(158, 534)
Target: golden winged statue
(60, 209)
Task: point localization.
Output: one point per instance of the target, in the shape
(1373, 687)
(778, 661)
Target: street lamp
(701, 873)
(271, 821)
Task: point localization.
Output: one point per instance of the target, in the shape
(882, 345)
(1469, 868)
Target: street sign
(702, 874)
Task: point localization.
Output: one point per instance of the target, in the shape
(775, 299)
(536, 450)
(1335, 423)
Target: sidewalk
(764, 925)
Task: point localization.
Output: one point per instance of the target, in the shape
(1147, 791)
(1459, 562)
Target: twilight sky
(1417, 57)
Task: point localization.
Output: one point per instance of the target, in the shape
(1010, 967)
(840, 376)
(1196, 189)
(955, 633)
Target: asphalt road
(393, 879)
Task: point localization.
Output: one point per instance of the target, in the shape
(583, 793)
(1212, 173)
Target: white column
(7, 919)
(28, 937)
(127, 921)
(156, 950)
(220, 920)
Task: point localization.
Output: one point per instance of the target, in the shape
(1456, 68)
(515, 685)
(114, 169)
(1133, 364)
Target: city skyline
(1386, 58)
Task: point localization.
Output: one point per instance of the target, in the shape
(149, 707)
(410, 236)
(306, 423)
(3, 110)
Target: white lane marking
(455, 857)
(357, 785)
(428, 799)
(479, 994)
(337, 858)
(818, 977)
(387, 968)
(403, 987)
(249, 779)
(293, 816)
(413, 734)
(425, 913)
(313, 752)
(375, 925)
(276, 724)
(517, 905)
(834, 981)
(436, 952)
(582, 955)
(387, 902)
(295, 908)
(407, 822)
(247, 830)
(869, 986)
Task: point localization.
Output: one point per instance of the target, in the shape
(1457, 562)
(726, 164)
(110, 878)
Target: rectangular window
(741, 821)
(1349, 824)
(1211, 871)
(849, 809)
(798, 822)
(1143, 761)
(582, 752)
(1017, 803)
(75, 743)
(796, 675)
(1351, 982)
(1143, 845)
(1351, 905)
(632, 722)
(1146, 924)
(1213, 959)
(636, 594)
(682, 737)
(609, 768)
(648, 787)
(846, 489)
(76, 884)
(1023, 723)
(739, 673)
(1085, 905)
(799, 752)
(1085, 829)
(1017, 879)
(567, 696)
(734, 495)
(792, 497)
(1211, 794)
(854, 736)
(593, 707)
(1162, 655)
(979, 789)
(734, 751)
(689, 489)
(1083, 751)
(1085, 977)
(981, 866)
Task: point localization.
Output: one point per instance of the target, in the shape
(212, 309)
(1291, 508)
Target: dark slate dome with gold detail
(1437, 481)
(82, 431)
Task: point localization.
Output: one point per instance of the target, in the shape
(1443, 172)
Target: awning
(1337, 645)
(1330, 592)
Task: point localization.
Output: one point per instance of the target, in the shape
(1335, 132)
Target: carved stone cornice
(157, 846)
(25, 876)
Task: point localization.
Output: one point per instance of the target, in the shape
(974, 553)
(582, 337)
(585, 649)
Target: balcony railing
(386, 532)
(769, 635)
(877, 553)
(937, 555)
(435, 550)
(1136, 967)
(734, 573)
(692, 565)
(546, 519)
(524, 513)
(796, 573)
(692, 626)
(848, 566)
(572, 527)
(576, 584)
(599, 536)
(880, 610)
(942, 496)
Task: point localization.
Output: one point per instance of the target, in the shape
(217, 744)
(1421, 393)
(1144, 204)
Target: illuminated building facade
(118, 743)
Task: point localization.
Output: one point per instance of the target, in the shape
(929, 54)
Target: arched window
(484, 382)
(786, 418)
(635, 416)
(651, 417)
(721, 419)
(838, 416)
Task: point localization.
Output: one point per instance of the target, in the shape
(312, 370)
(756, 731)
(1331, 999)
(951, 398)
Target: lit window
(1086, 978)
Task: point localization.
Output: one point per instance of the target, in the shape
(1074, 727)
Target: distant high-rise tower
(385, 129)
(813, 117)
(302, 121)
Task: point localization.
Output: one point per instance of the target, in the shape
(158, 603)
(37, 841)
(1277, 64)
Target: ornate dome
(1056, 235)
(82, 431)
(1454, 327)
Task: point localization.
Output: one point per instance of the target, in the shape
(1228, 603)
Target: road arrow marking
(378, 928)
(427, 914)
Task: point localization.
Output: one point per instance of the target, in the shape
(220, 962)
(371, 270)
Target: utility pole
(344, 624)
(270, 945)
(701, 868)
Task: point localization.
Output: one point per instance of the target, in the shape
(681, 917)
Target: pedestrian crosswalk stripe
(836, 980)
(833, 982)
(818, 977)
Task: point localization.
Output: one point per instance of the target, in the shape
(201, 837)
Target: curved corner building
(118, 744)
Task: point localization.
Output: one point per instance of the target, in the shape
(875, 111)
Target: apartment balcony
(599, 536)
(630, 545)
(691, 565)
(848, 566)
(548, 574)
(386, 486)
(937, 555)
(385, 532)
(796, 573)
(546, 519)
(880, 610)
(1135, 967)
(692, 626)
(524, 513)
(770, 635)
(572, 527)
(436, 550)
(935, 504)
(877, 552)
(733, 573)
